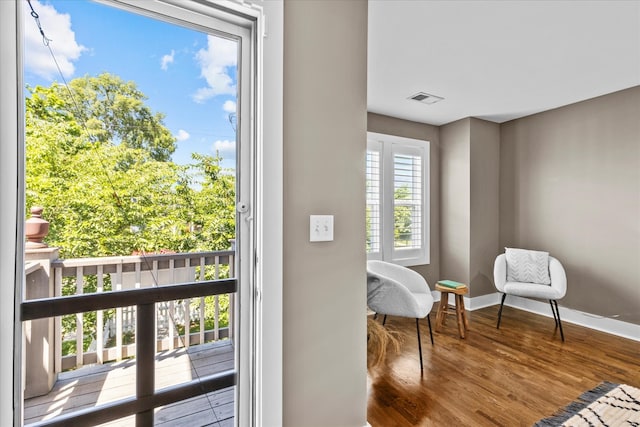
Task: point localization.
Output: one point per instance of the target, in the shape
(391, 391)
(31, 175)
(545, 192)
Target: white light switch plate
(321, 228)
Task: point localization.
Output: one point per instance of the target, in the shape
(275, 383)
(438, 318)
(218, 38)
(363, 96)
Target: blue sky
(186, 75)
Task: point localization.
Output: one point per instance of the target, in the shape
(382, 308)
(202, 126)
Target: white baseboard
(588, 320)
(483, 301)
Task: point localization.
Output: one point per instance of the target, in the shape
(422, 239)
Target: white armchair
(552, 292)
(398, 291)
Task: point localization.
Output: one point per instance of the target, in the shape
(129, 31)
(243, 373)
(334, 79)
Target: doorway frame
(267, 398)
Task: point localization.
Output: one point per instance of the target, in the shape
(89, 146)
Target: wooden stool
(444, 308)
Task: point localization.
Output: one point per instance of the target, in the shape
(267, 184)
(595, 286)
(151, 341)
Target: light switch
(321, 228)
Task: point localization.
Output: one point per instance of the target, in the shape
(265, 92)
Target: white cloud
(203, 94)
(167, 59)
(57, 28)
(215, 61)
(229, 106)
(224, 147)
(182, 135)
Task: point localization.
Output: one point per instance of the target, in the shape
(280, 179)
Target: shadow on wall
(481, 285)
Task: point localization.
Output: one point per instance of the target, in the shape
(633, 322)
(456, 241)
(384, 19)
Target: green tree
(95, 206)
(111, 110)
(402, 218)
(215, 216)
(109, 188)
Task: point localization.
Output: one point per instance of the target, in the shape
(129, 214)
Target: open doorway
(129, 207)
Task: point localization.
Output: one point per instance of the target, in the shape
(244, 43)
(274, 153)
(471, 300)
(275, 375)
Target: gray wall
(470, 162)
(324, 289)
(566, 181)
(485, 207)
(455, 200)
(408, 129)
(570, 184)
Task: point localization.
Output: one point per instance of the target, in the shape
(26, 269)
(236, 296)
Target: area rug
(608, 405)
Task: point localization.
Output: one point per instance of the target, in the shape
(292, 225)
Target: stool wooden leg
(459, 315)
(464, 313)
(442, 310)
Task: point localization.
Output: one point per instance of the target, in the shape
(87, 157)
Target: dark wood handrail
(146, 398)
(61, 306)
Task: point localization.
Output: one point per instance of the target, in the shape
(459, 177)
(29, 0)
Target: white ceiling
(498, 60)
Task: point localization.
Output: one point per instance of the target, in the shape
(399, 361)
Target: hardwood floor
(513, 376)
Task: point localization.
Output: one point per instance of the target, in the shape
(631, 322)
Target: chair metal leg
(375, 316)
(555, 318)
(430, 332)
(419, 344)
(559, 321)
(384, 320)
(500, 311)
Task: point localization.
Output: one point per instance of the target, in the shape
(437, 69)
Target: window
(397, 199)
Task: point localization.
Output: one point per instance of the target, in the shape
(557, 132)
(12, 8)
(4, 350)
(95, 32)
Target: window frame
(388, 147)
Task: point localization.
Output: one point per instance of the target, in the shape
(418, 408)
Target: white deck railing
(110, 336)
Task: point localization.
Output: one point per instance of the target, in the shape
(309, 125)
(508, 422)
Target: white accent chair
(553, 292)
(399, 291)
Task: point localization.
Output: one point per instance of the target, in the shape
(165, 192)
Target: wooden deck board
(94, 385)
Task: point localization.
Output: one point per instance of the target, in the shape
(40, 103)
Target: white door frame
(12, 200)
(266, 120)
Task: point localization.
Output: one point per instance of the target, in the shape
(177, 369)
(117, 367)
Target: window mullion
(387, 201)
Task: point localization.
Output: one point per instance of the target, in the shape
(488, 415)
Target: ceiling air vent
(426, 98)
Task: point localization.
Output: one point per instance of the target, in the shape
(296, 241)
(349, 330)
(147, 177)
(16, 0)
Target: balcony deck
(93, 385)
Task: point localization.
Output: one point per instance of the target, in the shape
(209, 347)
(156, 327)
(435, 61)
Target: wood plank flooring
(94, 385)
(513, 376)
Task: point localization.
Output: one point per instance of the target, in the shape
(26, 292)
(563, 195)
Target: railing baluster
(100, 319)
(230, 309)
(187, 312)
(186, 320)
(57, 324)
(154, 271)
(202, 310)
(118, 287)
(79, 320)
(216, 303)
(171, 319)
(138, 274)
(154, 275)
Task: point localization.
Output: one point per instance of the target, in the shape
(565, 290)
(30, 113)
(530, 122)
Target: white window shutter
(397, 199)
(374, 200)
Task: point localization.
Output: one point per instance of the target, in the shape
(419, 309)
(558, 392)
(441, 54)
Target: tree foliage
(98, 161)
(111, 111)
(402, 218)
